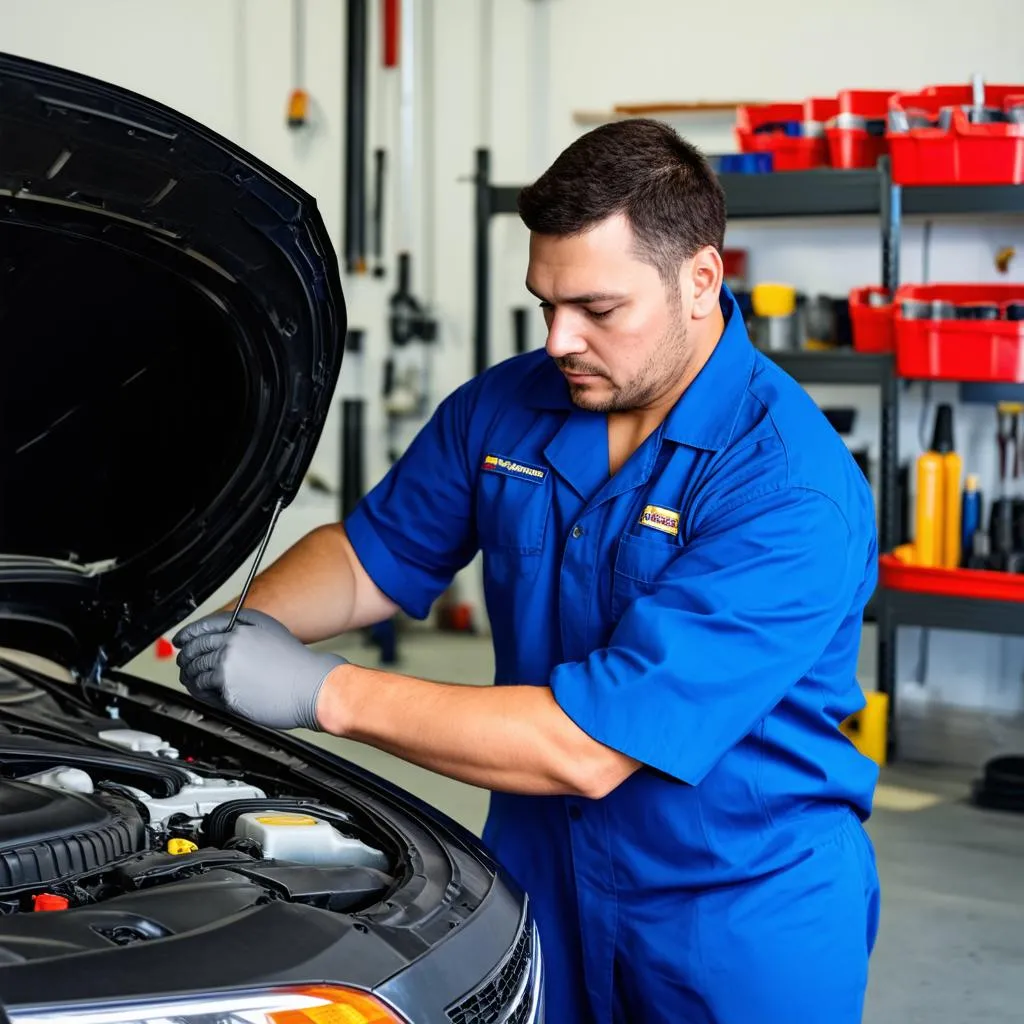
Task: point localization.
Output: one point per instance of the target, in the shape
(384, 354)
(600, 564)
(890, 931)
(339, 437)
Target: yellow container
(868, 729)
(770, 299)
(952, 471)
(928, 514)
(906, 553)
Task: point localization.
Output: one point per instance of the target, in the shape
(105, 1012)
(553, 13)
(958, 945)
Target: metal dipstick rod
(256, 563)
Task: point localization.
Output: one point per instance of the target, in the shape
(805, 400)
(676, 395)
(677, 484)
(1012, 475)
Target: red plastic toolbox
(960, 152)
(943, 347)
(978, 583)
(851, 143)
(767, 127)
(873, 326)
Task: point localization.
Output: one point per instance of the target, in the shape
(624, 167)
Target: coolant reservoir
(138, 742)
(303, 839)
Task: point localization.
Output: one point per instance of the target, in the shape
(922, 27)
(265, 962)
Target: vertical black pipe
(482, 263)
(355, 136)
(352, 471)
(520, 331)
(352, 455)
(379, 164)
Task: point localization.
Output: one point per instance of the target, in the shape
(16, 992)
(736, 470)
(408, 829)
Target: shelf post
(889, 467)
(891, 204)
(891, 200)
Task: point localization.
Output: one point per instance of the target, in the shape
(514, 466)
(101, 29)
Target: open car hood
(171, 331)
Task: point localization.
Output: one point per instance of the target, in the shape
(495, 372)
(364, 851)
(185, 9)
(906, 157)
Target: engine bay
(136, 840)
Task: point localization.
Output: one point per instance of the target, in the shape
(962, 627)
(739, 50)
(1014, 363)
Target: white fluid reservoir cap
(304, 839)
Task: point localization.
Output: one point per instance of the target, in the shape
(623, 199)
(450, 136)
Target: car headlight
(307, 1004)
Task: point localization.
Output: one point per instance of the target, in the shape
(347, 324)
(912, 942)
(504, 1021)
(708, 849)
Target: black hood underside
(171, 332)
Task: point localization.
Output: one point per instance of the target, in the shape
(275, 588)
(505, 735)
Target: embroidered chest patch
(516, 470)
(658, 518)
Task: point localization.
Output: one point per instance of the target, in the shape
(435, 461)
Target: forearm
(318, 589)
(506, 738)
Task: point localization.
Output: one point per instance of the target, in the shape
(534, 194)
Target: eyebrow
(579, 300)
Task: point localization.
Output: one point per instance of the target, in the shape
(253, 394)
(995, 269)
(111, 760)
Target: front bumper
(509, 986)
(513, 993)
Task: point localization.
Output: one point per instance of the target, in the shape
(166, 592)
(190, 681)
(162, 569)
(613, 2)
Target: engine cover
(48, 835)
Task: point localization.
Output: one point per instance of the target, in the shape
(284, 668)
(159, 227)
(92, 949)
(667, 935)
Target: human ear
(705, 274)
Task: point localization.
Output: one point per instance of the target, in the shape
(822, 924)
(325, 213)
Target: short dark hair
(643, 169)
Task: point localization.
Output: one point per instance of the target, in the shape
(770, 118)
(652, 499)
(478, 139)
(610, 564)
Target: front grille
(493, 1001)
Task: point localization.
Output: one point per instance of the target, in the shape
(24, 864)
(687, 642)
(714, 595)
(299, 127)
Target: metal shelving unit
(908, 608)
(821, 193)
(840, 367)
(828, 193)
(970, 614)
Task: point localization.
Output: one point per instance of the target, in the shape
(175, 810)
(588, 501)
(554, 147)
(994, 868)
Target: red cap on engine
(49, 901)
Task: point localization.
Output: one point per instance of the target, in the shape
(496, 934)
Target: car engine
(141, 845)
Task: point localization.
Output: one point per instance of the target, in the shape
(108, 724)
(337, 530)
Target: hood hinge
(94, 679)
(96, 674)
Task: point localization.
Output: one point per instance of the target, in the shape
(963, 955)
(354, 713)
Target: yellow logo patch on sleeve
(658, 518)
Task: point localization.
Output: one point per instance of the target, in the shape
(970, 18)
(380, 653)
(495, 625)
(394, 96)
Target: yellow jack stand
(868, 729)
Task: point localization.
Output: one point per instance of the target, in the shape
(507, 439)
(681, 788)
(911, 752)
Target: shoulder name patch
(658, 518)
(516, 470)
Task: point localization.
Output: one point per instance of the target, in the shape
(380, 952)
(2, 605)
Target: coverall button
(577, 532)
(574, 812)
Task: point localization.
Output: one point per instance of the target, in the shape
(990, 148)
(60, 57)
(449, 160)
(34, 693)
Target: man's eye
(600, 314)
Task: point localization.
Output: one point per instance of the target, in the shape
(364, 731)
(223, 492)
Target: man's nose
(564, 338)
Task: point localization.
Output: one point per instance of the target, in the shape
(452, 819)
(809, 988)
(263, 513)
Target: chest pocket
(639, 561)
(512, 522)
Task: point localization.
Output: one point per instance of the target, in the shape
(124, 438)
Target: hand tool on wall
(1001, 520)
(298, 101)
(407, 318)
(379, 167)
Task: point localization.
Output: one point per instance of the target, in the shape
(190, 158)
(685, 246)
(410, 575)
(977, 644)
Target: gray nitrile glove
(217, 622)
(259, 670)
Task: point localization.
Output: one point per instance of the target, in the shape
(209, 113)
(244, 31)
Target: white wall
(514, 87)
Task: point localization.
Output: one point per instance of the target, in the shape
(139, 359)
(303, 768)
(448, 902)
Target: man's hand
(259, 670)
(217, 622)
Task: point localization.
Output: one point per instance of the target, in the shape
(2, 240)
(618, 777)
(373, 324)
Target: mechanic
(677, 552)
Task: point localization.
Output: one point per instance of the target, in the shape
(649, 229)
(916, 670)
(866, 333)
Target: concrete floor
(951, 945)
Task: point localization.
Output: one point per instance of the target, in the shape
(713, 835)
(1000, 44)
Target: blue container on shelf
(745, 163)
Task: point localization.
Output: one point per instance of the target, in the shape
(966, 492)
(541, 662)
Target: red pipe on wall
(392, 12)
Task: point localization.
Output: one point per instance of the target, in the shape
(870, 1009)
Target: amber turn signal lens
(335, 1006)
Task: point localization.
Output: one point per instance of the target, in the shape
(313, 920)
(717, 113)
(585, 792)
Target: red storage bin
(978, 583)
(873, 326)
(957, 349)
(851, 145)
(962, 153)
(761, 128)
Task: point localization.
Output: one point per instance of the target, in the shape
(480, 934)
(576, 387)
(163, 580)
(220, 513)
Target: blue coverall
(700, 611)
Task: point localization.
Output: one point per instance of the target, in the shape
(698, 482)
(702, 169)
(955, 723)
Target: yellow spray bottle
(937, 522)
